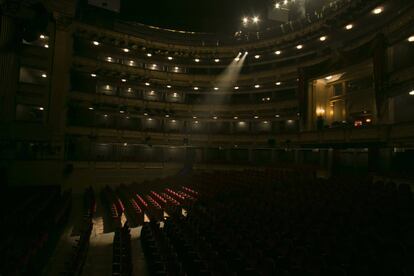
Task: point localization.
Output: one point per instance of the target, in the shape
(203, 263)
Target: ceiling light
(197, 60)
(328, 77)
(125, 144)
(256, 117)
(245, 20)
(256, 19)
(90, 108)
(216, 60)
(149, 55)
(46, 46)
(277, 115)
(278, 83)
(411, 93)
(96, 43)
(176, 68)
(109, 58)
(175, 95)
(195, 88)
(411, 38)
(196, 122)
(93, 75)
(147, 84)
(44, 75)
(105, 115)
(170, 58)
(126, 50)
(378, 10)
(131, 62)
(323, 38)
(167, 116)
(257, 56)
(215, 117)
(300, 46)
(168, 86)
(257, 86)
(349, 26)
(41, 108)
(122, 111)
(145, 114)
(152, 92)
(236, 88)
(123, 80)
(42, 36)
(149, 119)
(237, 59)
(173, 121)
(194, 117)
(278, 52)
(235, 117)
(216, 88)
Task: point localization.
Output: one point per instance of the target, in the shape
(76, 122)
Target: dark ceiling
(218, 16)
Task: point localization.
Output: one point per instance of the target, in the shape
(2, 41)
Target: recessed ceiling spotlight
(411, 38)
(349, 26)
(42, 36)
(216, 60)
(167, 116)
(256, 19)
(126, 50)
(147, 84)
(278, 83)
(236, 88)
(195, 88)
(168, 86)
(109, 58)
(235, 117)
(411, 93)
(145, 114)
(96, 43)
(278, 52)
(328, 77)
(378, 10)
(256, 117)
(237, 59)
(176, 68)
(170, 58)
(90, 108)
(122, 111)
(93, 75)
(257, 56)
(149, 55)
(215, 117)
(300, 46)
(323, 38)
(44, 75)
(216, 88)
(46, 46)
(194, 117)
(245, 20)
(277, 115)
(257, 86)
(123, 80)
(41, 108)
(197, 60)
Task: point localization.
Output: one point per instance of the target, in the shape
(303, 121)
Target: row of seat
(121, 257)
(76, 261)
(32, 220)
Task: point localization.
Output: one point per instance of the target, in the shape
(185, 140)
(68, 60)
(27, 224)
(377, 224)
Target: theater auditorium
(206, 137)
